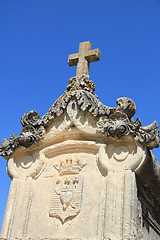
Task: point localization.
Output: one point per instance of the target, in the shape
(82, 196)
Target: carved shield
(66, 197)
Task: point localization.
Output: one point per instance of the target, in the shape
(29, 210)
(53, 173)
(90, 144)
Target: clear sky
(36, 38)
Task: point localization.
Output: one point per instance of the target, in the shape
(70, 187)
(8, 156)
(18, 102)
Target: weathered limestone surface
(84, 171)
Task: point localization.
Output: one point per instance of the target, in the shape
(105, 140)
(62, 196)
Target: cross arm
(73, 59)
(93, 55)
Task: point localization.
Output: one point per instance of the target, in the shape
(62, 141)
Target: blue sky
(36, 38)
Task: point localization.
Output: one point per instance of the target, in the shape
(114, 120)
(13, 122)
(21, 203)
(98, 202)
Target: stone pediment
(79, 107)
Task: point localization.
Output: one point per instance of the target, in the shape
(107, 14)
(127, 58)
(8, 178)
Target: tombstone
(83, 171)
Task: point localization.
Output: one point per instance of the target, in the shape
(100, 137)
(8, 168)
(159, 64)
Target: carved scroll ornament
(31, 133)
(120, 124)
(112, 122)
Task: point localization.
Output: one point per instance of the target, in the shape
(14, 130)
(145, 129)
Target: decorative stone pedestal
(83, 171)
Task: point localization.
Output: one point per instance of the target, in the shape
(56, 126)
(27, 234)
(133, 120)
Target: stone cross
(83, 58)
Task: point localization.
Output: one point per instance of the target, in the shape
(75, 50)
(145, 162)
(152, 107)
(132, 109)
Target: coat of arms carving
(67, 193)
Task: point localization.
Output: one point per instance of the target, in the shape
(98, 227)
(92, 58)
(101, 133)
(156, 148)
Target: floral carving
(30, 134)
(117, 125)
(30, 118)
(81, 89)
(149, 135)
(79, 83)
(115, 122)
(120, 124)
(127, 106)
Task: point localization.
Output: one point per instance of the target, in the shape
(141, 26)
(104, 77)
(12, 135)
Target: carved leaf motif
(30, 118)
(118, 121)
(30, 134)
(118, 125)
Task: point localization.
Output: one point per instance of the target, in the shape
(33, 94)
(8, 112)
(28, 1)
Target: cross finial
(83, 58)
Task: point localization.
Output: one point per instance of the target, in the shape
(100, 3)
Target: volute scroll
(26, 166)
(119, 155)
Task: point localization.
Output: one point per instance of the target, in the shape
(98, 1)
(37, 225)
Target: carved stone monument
(83, 171)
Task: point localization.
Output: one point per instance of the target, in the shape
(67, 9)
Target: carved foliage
(31, 133)
(82, 91)
(121, 124)
(118, 125)
(127, 106)
(79, 83)
(149, 135)
(116, 122)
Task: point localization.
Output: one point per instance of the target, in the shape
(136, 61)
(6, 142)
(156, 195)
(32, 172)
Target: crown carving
(69, 166)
